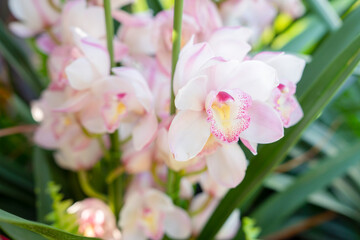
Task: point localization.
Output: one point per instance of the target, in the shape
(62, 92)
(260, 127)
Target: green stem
(109, 31)
(173, 181)
(187, 174)
(156, 178)
(87, 188)
(115, 188)
(176, 37)
(202, 207)
(115, 174)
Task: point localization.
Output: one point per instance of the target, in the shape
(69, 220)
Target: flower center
(228, 114)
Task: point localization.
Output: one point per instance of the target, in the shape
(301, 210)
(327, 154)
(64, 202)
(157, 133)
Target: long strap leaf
(12, 52)
(332, 63)
(278, 207)
(41, 229)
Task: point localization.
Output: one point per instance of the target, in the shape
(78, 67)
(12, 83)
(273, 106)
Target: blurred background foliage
(313, 194)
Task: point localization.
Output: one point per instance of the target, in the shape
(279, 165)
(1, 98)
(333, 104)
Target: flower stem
(115, 174)
(176, 37)
(87, 188)
(173, 184)
(115, 188)
(187, 174)
(202, 207)
(109, 31)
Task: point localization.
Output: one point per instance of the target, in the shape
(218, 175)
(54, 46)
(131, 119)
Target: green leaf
(15, 174)
(21, 109)
(42, 177)
(324, 199)
(59, 217)
(295, 195)
(48, 232)
(326, 12)
(155, 6)
(19, 233)
(332, 63)
(18, 60)
(9, 190)
(250, 228)
(308, 30)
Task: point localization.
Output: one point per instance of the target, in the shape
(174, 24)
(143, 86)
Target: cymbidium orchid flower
(35, 16)
(149, 214)
(77, 14)
(124, 98)
(136, 31)
(289, 70)
(61, 132)
(95, 219)
(294, 8)
(255, 14)
(230, 227)
(206, 15)
(164, 34)
(77, 151)
(224, 99)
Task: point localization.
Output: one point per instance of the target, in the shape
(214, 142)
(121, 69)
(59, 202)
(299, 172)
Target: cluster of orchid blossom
(223, 95)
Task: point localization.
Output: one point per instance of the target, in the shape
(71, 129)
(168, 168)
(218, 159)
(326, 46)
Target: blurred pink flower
(95, 219)
(149, 213)
(35, 16)
(255, 14)
(230, 227)
(289, 70)
(89, 19)
(294, 8)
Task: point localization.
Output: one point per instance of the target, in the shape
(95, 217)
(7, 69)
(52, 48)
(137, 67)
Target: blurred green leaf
(295, 195)
(332, 63)
(43, 230)
(308, 31)
(155, 6)
(42, 177)
(59, 217)
(280, 182)
(9, 190)
(326, 12)
(18, 60)
(15, 174)
(19, 233)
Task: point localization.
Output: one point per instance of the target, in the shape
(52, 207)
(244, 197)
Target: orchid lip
(228, 115)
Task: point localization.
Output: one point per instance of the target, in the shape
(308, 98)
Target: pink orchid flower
(289, 70)
(206, 15)
(54, 124)
(149, 214)
(257, 15)
(77, 151)
(136, 31)
(163, 33)
(90, 20)
(211, 186)
(34, 16)
(227, 231)
(224, 99)
(77, 14)
(124, 98)
(95, 219)
(294, 8)
(137, 161)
